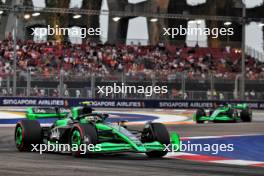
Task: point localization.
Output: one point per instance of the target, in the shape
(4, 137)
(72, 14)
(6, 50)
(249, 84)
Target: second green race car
(224, 113)
(82, 127)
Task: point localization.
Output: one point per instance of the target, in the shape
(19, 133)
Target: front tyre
(199, 113)
(81, 136)
(27, 133)
(156, 132)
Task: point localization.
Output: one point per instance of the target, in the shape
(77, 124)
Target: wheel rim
(76, 138)
(19, 136)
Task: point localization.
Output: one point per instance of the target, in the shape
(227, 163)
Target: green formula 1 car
(82, 127)
(225, 113)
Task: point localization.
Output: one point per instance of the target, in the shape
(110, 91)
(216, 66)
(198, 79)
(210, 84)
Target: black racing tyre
(27, 133)
(156, 132)
(199, 113)
(82, 134)
(245, 115)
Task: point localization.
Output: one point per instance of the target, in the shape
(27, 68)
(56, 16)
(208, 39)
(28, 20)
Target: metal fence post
(15, 57)
(92, 86)
(183, 85)
(28, 82)
(212, 85)
(243, 54)
(61, 86)
(236, 86)
(8, 84)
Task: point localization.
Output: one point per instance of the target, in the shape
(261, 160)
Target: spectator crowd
(164, 62)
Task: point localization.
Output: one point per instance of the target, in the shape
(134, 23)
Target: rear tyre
(200, 113)
(156, 132)
(81, 136)
(245, 115)
(27, 133)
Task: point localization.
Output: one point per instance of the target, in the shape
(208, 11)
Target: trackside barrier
(68, 102)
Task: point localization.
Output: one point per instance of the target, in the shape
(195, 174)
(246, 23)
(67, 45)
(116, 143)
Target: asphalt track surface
(17, 163)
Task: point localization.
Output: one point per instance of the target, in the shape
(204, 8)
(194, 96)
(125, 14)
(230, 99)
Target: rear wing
(46, 112)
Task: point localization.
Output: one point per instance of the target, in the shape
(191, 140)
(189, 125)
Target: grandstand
(48, 61)
(49, 58)
(59, 68)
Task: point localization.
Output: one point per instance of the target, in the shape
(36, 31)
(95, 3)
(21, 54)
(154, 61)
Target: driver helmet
(87, 109)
